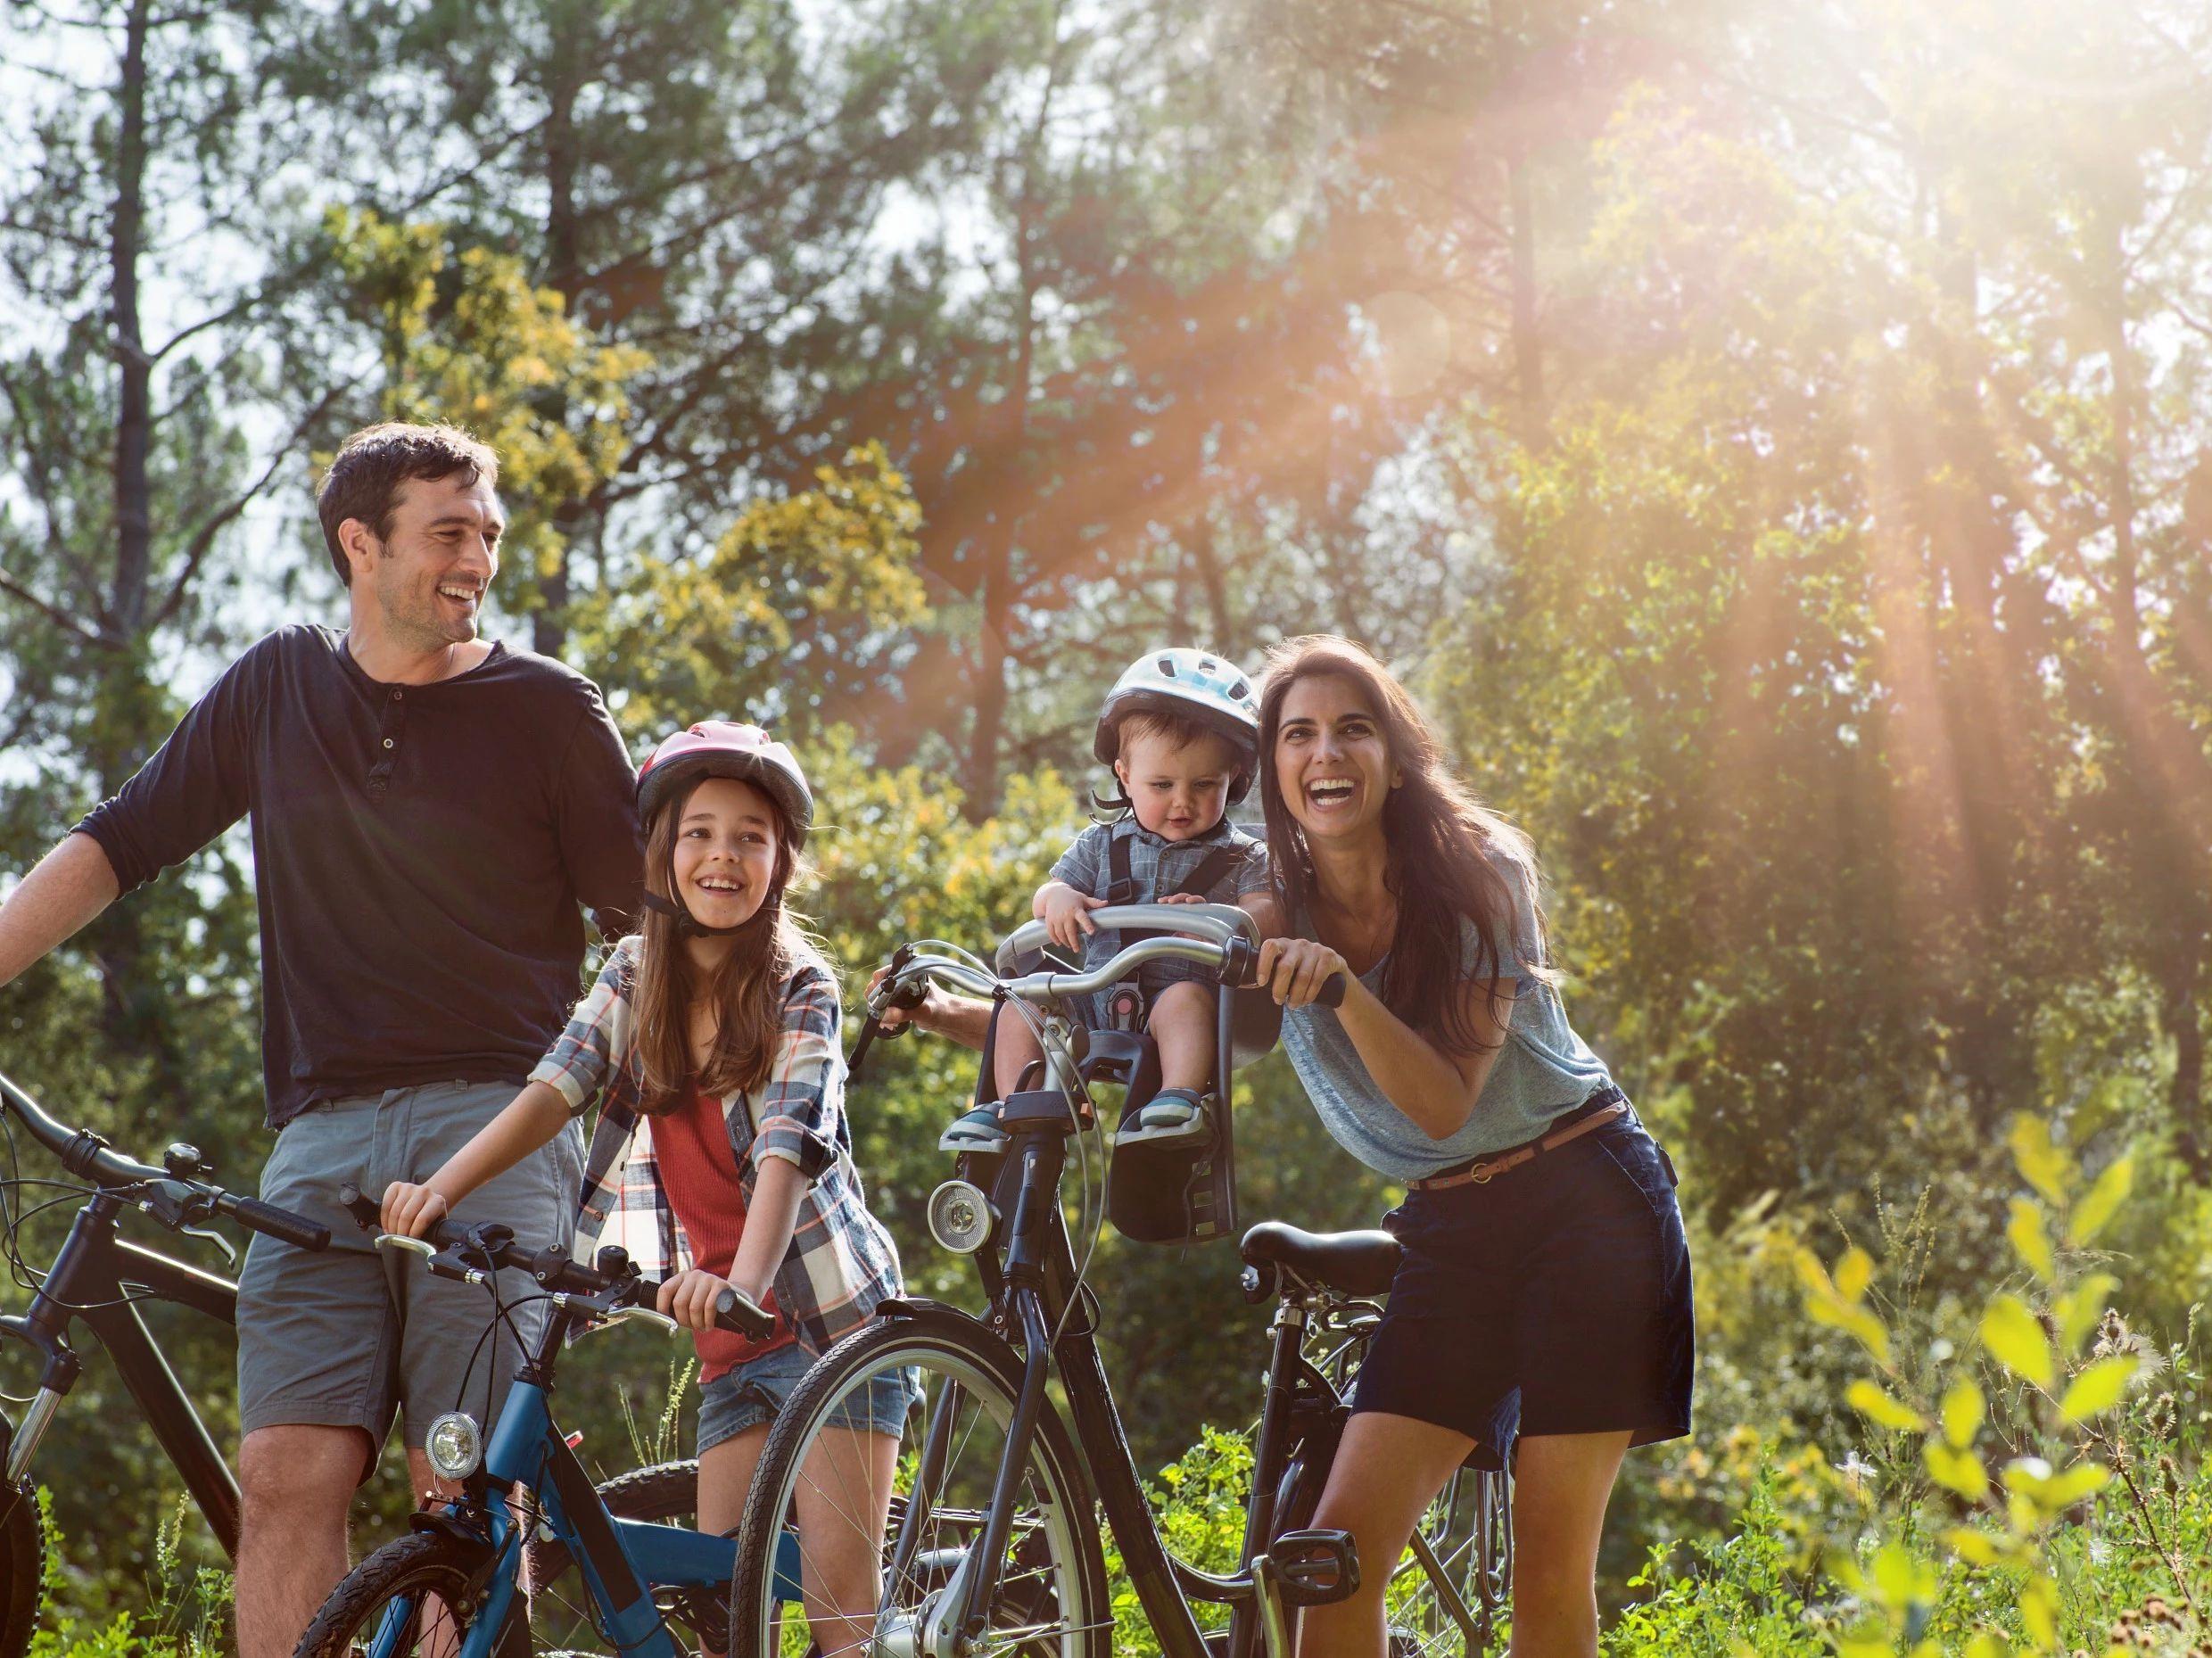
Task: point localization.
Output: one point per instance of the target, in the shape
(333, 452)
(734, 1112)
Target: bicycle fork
(963, 1612)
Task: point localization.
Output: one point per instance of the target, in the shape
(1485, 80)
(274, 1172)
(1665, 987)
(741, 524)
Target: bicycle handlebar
(88, 1156)
(556, 1270)
(1225, 941)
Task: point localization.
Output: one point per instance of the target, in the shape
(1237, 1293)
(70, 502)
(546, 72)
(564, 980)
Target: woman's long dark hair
(745, 990)
(1451, 858)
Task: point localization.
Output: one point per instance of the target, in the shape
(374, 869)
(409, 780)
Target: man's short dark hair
(365, 477)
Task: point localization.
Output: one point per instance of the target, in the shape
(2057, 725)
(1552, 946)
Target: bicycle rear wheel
(1050, 1600)
(1448, 1592)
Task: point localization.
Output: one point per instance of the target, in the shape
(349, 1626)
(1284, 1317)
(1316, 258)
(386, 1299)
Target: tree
(1842, 654)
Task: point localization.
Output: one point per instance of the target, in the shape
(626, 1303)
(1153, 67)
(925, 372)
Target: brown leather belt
(1488, 1168)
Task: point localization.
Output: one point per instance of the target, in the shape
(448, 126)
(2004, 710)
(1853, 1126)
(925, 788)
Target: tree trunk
(1206, 560)
(564, 244)
(133, 424)
(133, 1006)
(1532, 416)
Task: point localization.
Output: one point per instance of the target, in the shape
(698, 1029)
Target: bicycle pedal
(1316, 1568)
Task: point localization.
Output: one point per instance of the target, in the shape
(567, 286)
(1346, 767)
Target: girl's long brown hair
(1445, 849)
(745, 990)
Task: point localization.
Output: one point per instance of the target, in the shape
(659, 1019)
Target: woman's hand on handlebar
(412, 1210)
(1293, 970)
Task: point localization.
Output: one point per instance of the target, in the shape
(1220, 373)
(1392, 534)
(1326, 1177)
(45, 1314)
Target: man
(428, 810)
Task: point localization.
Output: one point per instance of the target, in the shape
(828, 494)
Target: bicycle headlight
(455, 1444)
(960, 1217)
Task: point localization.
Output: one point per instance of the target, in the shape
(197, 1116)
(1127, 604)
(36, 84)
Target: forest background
(1770, 434)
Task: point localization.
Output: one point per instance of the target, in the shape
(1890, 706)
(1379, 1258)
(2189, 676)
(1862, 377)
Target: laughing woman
(1544, 1280)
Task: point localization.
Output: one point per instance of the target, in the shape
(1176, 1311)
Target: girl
(722, 1157)
(1545, 1273)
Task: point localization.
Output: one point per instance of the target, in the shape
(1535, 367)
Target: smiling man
(429, 812)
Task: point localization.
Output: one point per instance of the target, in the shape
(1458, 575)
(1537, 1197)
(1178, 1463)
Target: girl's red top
(699, 1173)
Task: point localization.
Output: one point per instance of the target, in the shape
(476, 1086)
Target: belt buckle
(1481, 1174)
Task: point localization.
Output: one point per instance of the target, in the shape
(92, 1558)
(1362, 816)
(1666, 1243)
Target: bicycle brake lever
(645, 1316)
(229, 1249)
(412, 1246)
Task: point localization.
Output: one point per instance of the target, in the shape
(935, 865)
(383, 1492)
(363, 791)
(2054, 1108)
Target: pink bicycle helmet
(725, 748)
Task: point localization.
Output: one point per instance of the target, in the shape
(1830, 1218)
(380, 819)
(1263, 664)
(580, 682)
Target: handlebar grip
(281, 1225)
(368, 1216)
(1332, 992)
(737, 1312)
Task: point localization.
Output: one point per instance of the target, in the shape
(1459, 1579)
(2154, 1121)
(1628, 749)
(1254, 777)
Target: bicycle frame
(95, 1278)
(620, 1561)
(1031, 1294)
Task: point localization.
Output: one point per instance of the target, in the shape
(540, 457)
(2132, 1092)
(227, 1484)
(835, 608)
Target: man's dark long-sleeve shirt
(420, 854)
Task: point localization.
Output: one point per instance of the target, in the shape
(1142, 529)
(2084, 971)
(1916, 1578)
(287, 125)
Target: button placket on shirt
(391, 726)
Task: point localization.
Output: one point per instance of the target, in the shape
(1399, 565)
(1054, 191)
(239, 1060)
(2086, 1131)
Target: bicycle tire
(23, 1568)
(394, 1581)
(1053, 1594)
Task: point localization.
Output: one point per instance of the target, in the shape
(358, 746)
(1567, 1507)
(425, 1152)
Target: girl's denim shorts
(757, 1392)
(1554, 1299)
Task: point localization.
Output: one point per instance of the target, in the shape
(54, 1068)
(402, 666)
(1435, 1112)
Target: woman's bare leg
(1387, 1468)
(1561, 1483)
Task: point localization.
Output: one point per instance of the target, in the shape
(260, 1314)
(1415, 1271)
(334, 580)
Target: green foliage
(794, 615)
(1198, 1503)
(467, 338)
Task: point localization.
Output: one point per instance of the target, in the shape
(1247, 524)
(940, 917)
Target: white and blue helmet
(1192, 685)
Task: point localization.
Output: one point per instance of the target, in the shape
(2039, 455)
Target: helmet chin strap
(690, 925)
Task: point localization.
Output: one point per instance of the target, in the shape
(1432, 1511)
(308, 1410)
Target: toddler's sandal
(1172, 1117)
(974, 1131)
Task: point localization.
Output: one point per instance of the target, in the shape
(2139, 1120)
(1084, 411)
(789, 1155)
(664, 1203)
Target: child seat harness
(1125, 1005)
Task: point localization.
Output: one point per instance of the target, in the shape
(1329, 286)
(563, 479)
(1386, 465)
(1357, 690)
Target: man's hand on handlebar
(892, 1018)
(1295, 971)
(412, 1210)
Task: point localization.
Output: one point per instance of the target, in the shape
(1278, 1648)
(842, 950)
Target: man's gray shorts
(341, 1337)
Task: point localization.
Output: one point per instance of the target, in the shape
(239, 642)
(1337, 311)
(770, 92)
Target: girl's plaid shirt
(841, 1262)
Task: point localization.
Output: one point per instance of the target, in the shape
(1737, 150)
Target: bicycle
(456, 1585)
(995, 1547)
(99, 1278)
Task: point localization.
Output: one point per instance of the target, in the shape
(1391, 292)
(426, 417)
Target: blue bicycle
(457, 1585)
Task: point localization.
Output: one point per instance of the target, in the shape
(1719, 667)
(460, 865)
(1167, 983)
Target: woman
(1545, 1272)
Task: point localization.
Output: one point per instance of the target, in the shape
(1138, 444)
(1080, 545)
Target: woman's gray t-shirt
(1545, 1070)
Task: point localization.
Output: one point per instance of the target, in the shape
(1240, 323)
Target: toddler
(1181, 731)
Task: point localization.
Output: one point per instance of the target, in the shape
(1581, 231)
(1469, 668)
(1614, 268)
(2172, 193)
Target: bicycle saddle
(1358, 1263)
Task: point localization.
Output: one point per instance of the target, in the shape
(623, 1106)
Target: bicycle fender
(445, 1522)
(922, 1312)
(917, 1306)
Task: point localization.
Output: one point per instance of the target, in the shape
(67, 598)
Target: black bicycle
(995, 1547)
(99, 1278)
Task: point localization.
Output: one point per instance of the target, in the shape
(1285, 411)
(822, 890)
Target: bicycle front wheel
(412, 1598)
(883, 1510)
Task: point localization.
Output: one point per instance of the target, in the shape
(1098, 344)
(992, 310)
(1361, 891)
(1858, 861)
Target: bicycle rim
(410, 1599)
(1448, 1594)
(923, 1535)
